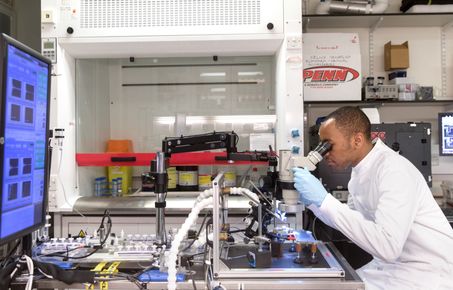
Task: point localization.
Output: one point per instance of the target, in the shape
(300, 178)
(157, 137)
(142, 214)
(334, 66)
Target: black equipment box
(411, 140)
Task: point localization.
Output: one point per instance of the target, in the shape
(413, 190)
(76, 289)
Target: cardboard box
(332, 67)
(396, 56)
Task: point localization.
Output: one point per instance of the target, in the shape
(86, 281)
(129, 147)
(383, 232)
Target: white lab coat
(392, 215)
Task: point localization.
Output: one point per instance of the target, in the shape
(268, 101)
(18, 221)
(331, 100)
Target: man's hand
(309, 187)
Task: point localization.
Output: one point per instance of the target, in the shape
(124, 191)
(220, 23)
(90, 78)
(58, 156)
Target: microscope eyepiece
(323, 147)
(315, 156)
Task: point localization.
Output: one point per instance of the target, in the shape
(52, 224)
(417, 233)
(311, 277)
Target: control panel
(49, 48)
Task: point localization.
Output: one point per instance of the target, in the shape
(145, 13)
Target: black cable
(67, 254)
(14, 248)
(208, 242)
(191, 275)
(56, 253)
(198, 233)
(272, 152)
(223, 211)
(67, 257)
(84, 256)
(129, 277)
(5, 273)
(205, 266)
(10, 253)
(67, 276)
(151, 267)
(106, 212)
(109, 222)
(237, 231)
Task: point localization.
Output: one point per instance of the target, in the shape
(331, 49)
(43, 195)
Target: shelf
(379, 103)
(144, 159)
(146, 204)
(369, 20)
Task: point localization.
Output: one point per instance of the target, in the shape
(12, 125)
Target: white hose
(233, 191)
(204, 194)
(245, 192)
(30, 272)
(203, 200)
(172, 256)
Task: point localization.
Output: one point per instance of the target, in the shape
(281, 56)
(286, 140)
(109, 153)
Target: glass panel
(150, 99)
(119, 99)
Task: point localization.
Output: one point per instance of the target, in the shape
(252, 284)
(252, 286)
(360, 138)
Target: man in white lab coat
(391, 212)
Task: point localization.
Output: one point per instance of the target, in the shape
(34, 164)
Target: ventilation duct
(352, 7)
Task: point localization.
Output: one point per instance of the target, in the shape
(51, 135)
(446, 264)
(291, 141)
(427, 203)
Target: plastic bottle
(229, 178)
(114, 187)
(97, 186)
(104, 186)
(172, 178)
(119, 181)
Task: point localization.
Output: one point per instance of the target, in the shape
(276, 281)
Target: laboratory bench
(351, 281)
(136, 214)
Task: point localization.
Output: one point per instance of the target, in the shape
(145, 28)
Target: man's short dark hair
(351, 120)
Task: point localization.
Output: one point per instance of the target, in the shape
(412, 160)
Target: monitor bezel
(5, 41)
(439, 121)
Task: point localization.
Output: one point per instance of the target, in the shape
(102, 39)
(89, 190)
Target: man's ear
(359, 139)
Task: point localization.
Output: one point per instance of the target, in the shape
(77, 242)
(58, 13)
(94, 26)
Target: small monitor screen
(446, 133)
(24, 125)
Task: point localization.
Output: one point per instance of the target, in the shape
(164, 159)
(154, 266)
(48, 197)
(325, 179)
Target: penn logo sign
(338, 74)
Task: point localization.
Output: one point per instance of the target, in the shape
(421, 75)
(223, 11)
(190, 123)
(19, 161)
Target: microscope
(288, 161)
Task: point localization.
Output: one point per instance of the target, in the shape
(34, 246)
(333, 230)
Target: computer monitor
(446, 134)
(24, 138)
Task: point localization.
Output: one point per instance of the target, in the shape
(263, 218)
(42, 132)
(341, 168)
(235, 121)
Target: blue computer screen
(446, 133)
(25, 123)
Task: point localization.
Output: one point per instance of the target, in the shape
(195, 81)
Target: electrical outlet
(47, 16)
